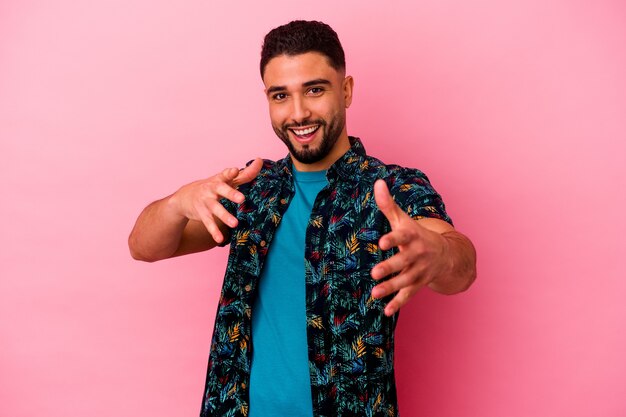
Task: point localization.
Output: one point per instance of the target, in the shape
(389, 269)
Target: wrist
(441, 280)
(447, 258)
(460, 261)
(172, 208)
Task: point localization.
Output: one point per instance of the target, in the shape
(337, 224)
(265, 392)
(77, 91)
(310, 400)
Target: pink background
(516, 112)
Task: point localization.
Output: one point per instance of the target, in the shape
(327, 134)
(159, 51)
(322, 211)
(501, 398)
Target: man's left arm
(430, 253)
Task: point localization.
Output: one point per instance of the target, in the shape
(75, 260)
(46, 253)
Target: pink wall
(517, 113)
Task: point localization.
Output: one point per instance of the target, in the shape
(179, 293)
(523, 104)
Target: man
(325, 246)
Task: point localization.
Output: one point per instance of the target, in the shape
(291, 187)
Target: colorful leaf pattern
(350, 340)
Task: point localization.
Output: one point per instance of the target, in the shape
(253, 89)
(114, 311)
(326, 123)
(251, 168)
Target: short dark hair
(299, 37)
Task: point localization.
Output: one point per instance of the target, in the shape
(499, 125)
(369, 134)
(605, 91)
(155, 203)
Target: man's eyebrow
(316, 82)
(275, 88)
(279, 88)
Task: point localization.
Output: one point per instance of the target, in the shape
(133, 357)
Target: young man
(325, 246)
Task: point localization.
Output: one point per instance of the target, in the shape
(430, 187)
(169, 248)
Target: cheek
(276, 116)
(328, 109)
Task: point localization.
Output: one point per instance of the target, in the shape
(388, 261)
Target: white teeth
(305, 131)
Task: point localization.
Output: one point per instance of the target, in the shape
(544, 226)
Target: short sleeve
(413, 192)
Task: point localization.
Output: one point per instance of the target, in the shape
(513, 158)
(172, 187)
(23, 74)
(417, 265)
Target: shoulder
(374, 169)
(410, 188)
(271, 172)
(268, 165)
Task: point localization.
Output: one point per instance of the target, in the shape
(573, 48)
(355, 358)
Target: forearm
(157, 233)
(460, 270)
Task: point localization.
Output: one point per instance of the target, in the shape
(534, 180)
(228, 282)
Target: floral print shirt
(350, 340)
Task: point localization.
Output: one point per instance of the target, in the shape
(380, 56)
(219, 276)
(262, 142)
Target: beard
(308, 155)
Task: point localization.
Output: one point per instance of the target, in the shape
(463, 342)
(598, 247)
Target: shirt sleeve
(413, 192)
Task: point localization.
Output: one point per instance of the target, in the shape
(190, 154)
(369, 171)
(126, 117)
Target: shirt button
(262, 243)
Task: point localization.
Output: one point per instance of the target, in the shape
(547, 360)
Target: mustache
(304, 123)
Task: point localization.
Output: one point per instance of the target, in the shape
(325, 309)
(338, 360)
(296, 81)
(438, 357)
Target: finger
(386, 204)
(249, 173)
(401, 298)
(225, 190)
(229, 174)
(395, 238)
(396, 263)
(211, 226)
(392, 285)
(222, 214)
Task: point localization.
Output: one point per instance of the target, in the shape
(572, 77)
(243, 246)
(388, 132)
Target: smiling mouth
(305, 133)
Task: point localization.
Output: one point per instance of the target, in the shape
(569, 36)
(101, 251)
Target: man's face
(307, 102)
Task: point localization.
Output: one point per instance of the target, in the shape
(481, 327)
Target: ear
(348, 85)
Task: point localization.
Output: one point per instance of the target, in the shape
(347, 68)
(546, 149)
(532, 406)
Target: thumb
(250, 172)
(385, 203)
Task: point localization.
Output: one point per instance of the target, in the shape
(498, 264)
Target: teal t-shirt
(279, 378)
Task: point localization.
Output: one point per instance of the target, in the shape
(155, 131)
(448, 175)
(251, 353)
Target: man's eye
(279, 96)
(316, 90)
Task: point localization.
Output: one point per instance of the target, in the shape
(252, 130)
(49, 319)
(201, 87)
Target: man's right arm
(192, 219)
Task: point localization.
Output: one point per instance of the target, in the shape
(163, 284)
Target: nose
(300, 111)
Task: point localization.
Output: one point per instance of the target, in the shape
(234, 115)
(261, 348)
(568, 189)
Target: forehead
(294, 70)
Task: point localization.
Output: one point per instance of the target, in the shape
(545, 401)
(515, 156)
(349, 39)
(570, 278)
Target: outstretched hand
(421, 253)
(200, 199)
